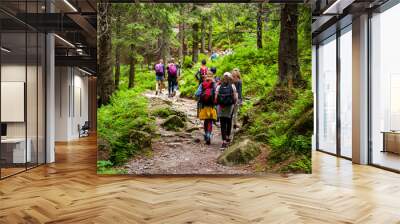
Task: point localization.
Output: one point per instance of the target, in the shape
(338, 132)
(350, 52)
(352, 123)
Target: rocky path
(183, 152)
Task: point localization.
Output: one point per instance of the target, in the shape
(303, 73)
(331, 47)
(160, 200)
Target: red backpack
(207, 92)
(203, 70)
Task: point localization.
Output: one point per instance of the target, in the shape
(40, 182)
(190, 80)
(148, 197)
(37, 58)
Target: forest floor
(182, 152)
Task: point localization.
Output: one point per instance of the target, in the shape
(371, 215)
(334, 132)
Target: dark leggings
(226, 127)
(208, 125)
(171, 84)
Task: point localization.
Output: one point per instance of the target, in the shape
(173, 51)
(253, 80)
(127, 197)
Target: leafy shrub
(106, 167)
(302, 164)
(127, 111)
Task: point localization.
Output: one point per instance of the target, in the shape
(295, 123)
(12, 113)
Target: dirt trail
(183, 152)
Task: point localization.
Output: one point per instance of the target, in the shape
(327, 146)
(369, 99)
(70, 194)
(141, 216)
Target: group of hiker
(219, 99)
(172, 71)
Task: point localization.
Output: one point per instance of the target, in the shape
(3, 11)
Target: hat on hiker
(213, 70)
(228, 74)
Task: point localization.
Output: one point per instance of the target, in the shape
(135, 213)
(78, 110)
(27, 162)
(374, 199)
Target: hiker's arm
(235, 94)
(216, 94)
(240, 89)
(198, 92)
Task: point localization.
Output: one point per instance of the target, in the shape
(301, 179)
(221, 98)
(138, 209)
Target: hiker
(208, 113)
(225, 98)
(202, 72)
(159, 68)
(216, 80)
(214, 56)
(172, 70)
(238, 84)
(179, 74)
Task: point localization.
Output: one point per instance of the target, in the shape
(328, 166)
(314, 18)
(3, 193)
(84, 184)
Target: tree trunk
(105, 79)
(186, 48)
(131, 83)
(165, 54)
(259, 26)
(289, 70)
(118, 53)
(203, 35)
(181, 42)
(210, 32)
(195, 53)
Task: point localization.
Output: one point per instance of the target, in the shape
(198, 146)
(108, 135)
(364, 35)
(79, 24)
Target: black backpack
(225, 95)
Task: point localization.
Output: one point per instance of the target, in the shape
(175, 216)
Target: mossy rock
(162, 112)
(173, 123)
(140, 138)
(242, 152)
(165, 112)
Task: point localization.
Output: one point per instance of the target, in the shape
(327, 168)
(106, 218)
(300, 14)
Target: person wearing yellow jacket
(207, 111)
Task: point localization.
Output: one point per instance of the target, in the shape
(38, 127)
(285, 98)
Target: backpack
(203, 70)
(207, 93)
(159, 68)
(172, 70)
(225, 95)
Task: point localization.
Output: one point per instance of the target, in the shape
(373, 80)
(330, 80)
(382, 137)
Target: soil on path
(183, 152)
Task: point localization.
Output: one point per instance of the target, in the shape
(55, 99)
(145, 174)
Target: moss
(162, 112)
(242, 152)
(173, 123)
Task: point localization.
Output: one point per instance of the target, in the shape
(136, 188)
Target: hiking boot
(228, 140)
(209, 135)
(224, 145)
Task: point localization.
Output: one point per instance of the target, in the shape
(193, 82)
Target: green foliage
(127, 111)
(302, 164)
(106, 167)
(272, 115)
(187, 62)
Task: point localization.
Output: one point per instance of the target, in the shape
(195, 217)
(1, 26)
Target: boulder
(165, 112)
(140, 138)
(173, 123)
(162, 112)
(242, 152)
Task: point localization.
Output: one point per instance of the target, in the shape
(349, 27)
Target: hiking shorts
(159, 77)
